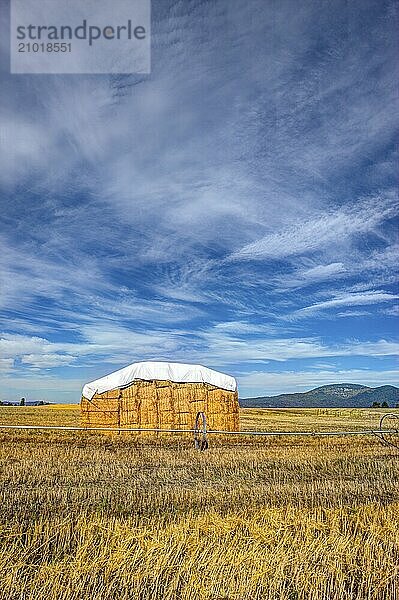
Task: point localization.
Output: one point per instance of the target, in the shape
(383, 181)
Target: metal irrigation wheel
(388, 434)
(200, 435)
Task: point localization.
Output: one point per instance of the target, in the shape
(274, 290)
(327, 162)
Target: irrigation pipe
(201, 431)
(207, 431)
(115, 429)
(204, 431)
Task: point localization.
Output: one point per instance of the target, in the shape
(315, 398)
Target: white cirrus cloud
(347, 299)
(323, 229)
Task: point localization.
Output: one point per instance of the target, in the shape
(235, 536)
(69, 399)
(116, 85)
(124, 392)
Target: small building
(161, 395)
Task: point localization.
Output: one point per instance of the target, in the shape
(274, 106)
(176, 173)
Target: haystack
(161, 395)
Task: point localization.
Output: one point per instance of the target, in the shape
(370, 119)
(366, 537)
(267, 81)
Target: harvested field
(86, 515)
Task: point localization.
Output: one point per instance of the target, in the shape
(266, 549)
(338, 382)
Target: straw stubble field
(113, 516)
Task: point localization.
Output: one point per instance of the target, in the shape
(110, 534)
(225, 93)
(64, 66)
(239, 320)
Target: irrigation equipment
(383, 432)
(201, 432)
(200, 435)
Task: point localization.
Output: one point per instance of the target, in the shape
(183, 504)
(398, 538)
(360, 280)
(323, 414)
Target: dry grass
(91, 516)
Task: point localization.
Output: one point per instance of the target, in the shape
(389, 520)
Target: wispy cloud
(322, 230)
(369, 297)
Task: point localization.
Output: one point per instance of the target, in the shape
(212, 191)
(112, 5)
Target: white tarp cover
(149, 371)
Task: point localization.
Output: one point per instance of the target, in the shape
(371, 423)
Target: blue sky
(234, 208)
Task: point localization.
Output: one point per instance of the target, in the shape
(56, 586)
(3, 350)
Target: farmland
(88, 515)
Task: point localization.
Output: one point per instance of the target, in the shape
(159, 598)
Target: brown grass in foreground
(92, 516)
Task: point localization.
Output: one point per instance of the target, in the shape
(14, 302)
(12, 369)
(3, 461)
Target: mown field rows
(116, 516)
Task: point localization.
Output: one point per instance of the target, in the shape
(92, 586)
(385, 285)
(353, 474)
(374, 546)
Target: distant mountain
(339, 395)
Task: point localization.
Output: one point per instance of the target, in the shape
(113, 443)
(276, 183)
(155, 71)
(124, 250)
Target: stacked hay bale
(161, 403)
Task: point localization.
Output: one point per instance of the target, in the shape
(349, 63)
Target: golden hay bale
(162, 404)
